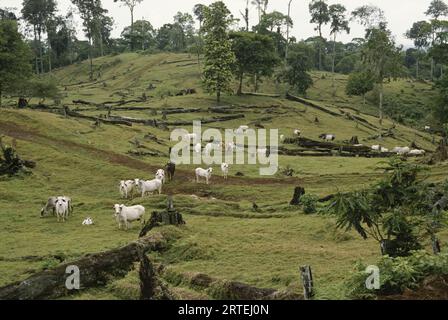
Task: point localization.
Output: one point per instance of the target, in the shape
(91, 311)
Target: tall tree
(131, 4)
(219, 57)
(37, 13)
(382, 59)
(369, 16)
(262, 7)
(420, 33)
(142, 33)
(299, 63)
(339, 23)
(320, 16)
(91, 12)
(15, 57)
(437, 9)
(255, 55)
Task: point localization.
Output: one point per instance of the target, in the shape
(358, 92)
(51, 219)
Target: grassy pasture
(223, 236)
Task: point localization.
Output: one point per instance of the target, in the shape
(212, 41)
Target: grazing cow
(401, 150)
(49, 206)
(427, 128)
(170, 168)
(225, 170)
(62, 208)
(384, 150)
(125, 215)
(417, 152)
(327, 137)
(160, 174)
(150, 186)
(297, 132)
(376, 147)
(207, 174)
(126, 188)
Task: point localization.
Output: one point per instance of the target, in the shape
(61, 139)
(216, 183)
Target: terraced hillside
(81, 154)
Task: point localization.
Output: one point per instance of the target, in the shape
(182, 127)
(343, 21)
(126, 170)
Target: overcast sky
(400, 14)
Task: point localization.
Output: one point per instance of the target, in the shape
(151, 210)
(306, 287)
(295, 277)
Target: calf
(125, 215)
(225, 170)
(207, 174)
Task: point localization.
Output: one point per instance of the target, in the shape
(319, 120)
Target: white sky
(399, 13)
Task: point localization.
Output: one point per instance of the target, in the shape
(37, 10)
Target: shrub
(309, 203)
(397, 274)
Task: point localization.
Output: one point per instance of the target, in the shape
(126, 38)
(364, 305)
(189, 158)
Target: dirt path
(22, 133)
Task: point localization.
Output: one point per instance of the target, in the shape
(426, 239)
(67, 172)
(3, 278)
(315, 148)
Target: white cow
(150, 186)
(427, 128)
(225, 170)
(126, 188)
(49, 206)
(401, 150)
(376, 147)
(230, 147)
(87, 222)
(297, 132)
(207, 174)
(160, 174)
(417, 152)
(125, 215)
(282, 138)
(62, 208)
(327, 137)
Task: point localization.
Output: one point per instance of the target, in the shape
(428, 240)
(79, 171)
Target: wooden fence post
(307, 280)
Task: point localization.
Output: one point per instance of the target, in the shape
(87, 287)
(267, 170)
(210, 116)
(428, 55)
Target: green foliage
(219, 57)
(309, 203)
(441, 101)
(359, 84)
(297, 74)
(255, 55)
(397, 274)
(394, 212)
(14, 58)
(141, 34)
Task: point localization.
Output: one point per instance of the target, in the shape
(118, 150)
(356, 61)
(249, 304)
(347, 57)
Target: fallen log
(95, 270)
(308, 143)
(230, 290)
(256, 94)
(310, 104)
(74, 114)
(205, 121)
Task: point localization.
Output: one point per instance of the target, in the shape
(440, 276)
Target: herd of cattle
(62, 207)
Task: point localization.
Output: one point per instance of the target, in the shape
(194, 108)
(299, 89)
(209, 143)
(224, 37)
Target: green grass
(223, 237)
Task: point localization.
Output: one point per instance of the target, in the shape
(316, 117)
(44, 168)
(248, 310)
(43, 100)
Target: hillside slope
(224, 237)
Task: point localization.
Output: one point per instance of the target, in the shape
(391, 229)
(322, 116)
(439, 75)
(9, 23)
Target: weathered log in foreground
(229, 290)
(95, 270)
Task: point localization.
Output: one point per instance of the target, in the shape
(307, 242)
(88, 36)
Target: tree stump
(298, 193)
(169, 217)
(435, 245)
(147, 278)
(354, 140)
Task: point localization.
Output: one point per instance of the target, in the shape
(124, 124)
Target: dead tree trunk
(307, 280)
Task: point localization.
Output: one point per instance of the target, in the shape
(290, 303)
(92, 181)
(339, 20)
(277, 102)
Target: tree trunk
(320, 48)
(35, 47)
(334, 58)
(240, 86)
(90, 57)
(132, 29)
(417, 69)
(49, 56)
(1, 92)
(218, 96)
(381, 104)
(40, 51)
